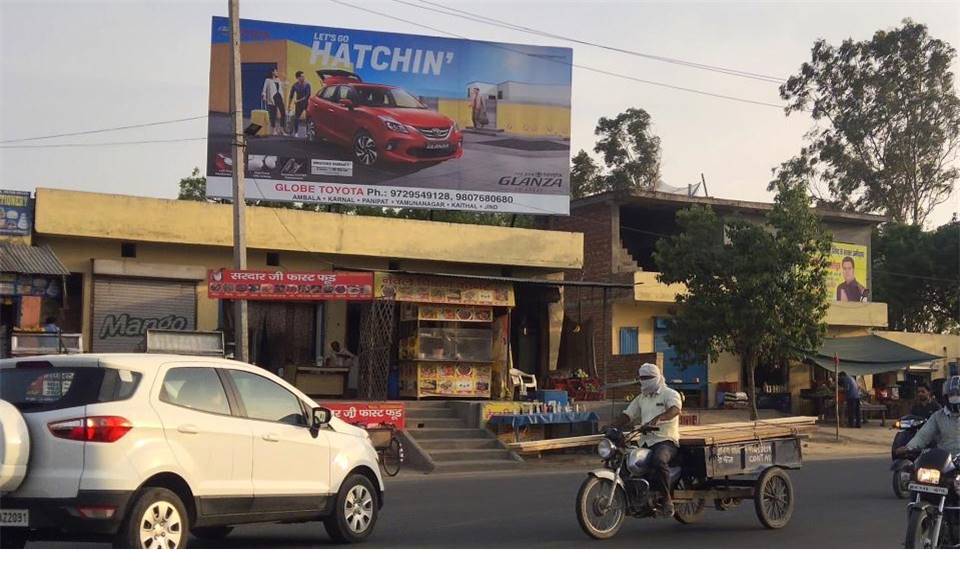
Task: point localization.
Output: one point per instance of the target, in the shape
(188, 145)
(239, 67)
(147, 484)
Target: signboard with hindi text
(289, 285)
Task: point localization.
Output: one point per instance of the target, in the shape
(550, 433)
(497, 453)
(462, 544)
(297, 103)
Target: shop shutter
(123, 309)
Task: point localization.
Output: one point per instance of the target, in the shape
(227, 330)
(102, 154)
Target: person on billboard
(850, 290)
(299, 95)
(478, 108)
(272, 95)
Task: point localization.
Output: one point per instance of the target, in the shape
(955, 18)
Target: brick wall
(621, 368)
(600, 225)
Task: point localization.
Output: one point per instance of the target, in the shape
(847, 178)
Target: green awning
(869, 354)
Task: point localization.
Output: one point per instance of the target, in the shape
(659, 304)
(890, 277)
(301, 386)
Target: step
(430, 413)
(415, 424)
(469, 455)
(447, 433)
(475, 466)
(429, 445)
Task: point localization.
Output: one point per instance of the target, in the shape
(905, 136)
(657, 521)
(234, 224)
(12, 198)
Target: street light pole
(242, 350)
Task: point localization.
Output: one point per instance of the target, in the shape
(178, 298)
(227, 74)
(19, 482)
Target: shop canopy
(30, 260)
(869, 354)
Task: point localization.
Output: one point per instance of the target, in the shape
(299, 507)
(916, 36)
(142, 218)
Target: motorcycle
(934, 512)
(902, 467)
(623, 487)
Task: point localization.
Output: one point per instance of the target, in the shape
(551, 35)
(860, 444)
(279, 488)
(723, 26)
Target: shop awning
(869, 354)
(30, 260)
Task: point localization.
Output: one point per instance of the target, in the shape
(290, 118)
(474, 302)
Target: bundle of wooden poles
(712, 434)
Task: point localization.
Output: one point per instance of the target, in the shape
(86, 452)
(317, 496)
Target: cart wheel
(688, 512)
(773, 498)
(392, 457)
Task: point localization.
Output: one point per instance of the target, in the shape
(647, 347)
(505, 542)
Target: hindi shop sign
(289, 285)
(390, 120)
(369, 414)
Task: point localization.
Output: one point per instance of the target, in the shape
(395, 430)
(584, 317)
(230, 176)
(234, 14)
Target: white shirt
(645, 407)
(271, 87)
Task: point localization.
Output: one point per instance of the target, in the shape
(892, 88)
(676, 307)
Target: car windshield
(387, 97)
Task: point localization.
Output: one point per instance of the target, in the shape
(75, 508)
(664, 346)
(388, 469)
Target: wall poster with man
(847, 280)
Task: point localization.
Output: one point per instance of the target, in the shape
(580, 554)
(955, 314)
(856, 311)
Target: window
(273, 259)
(37, 389)
(629, 340)
(264, 399)
(347, 93)
(128, 249)
(329, 93)
(195, 388)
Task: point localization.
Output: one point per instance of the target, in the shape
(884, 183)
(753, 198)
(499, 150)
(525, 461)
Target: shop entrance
(528, 341)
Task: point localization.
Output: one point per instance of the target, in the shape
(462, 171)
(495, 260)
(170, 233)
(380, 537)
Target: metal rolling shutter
(123, 309)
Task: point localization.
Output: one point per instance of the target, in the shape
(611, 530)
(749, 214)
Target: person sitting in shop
(339, 357)
(50, 325)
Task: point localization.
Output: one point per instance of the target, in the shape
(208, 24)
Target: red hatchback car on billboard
(380, 123)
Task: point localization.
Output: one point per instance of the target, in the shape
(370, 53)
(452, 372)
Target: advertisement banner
(444, 290)
(847, 275)
(393, 120)
(288, 285)
(367, 414)
(16, 213)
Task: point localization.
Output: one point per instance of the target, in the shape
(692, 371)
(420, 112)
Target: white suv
(148, 449)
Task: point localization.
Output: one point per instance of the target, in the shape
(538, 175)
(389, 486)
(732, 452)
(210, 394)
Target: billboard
(16, 213)
(393, 120)
(847, 275)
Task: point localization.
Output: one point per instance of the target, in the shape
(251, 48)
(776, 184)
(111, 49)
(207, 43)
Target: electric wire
(105, 130)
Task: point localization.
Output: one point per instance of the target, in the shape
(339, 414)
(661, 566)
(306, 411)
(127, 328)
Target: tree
(629, 149)
(887, 121)
(586, 178)
(193, 187)
(916, 274)
(754, 290)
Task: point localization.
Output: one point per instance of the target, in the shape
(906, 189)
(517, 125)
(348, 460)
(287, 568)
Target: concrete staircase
(454, 446)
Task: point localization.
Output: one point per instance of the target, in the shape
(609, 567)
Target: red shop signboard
(288, 285)
(368, 414)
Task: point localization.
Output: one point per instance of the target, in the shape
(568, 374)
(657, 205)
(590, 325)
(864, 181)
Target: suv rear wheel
(157, 520)
(355, 514)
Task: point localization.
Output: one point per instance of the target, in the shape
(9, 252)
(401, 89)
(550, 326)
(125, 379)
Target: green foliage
(585, 176)
(887, 121)
(630, 150)
(193, 187)
(758, 291)
(917, 274)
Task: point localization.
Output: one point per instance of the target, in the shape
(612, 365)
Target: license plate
(14, 517)
(437, 146)
(927, 489)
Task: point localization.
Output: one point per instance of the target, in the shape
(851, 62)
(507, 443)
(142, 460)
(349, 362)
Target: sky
(75, 66)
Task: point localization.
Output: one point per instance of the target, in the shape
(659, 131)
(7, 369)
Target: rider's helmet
(951, 394)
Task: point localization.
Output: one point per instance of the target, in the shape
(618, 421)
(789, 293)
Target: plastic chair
(522, 380)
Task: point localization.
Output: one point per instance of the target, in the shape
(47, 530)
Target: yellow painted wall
(640, 315)
(931, 344)
(457, 110)
(533, 120)
(205, 224)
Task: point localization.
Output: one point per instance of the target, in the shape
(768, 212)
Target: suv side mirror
(321, 417)
(348, 103)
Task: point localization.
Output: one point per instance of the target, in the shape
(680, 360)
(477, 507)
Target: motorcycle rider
(656, 406)
(943, 427)
(925, 405)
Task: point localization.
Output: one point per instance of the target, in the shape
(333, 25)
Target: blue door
(692, 377)
(253, 75)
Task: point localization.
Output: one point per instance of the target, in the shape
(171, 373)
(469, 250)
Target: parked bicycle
(388, 446)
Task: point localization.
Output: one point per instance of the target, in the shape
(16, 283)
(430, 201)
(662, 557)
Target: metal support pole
(836, 391)
(240, 324)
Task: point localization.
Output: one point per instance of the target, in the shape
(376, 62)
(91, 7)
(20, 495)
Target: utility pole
(241, 350)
